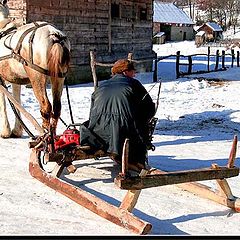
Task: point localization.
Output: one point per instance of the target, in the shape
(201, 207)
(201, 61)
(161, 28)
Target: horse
(35, 53)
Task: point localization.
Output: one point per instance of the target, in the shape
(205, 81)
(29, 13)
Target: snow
(197, 120)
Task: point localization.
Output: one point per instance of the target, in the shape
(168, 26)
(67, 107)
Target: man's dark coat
(120, 109)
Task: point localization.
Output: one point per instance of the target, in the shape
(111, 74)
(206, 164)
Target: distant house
(173, 21)
(213, 31)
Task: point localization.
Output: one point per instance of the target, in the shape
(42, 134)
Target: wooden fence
(217, 57)
(94, 63)
(219, 63)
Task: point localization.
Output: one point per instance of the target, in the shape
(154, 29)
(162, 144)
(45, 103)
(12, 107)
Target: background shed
(111, 27)
(213, 31)
(173, 21)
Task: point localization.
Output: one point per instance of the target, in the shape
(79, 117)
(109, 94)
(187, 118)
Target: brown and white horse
(32, 53)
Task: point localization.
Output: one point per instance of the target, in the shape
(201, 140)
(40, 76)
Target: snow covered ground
(197, 122)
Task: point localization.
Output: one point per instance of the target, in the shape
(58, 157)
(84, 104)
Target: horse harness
(15, 53)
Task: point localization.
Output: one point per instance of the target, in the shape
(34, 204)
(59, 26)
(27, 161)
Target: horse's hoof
(13, 135)
(5, 136)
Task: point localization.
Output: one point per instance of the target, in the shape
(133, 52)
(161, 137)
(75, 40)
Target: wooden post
(130, 56)
(223, 59)
(130, 200)
(233, 57)
(22, 110)
(208, 66)
(93, 68)
(177, 64)
(237, 58)
(125, 154)
(232, 155)
(217, 60)
(155, 70)
(189, 64)
(223, 186)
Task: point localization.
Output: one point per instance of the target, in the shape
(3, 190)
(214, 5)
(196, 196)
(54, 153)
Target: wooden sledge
(122, 215)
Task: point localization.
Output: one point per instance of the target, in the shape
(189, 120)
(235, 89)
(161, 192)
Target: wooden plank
(137, 183)
(102, 208)
(206, 192)
(130, 199)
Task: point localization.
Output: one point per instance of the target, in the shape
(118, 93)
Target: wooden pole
(223, 59)
(217, 60)
(177, 64)
(208, 66)
(189, 64)
(155, 70)
(233, 57)
(237, 58)
(22, 110)
(93, 68)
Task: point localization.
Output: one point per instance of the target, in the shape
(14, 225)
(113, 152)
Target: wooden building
(173, 21)
(111, 27)
(213, 31)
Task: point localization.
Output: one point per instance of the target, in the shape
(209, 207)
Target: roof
(200, 33)
(214, 26)
(159, 34)
(169, 13)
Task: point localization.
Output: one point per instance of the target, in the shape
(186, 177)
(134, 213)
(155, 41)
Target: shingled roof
(169, 13)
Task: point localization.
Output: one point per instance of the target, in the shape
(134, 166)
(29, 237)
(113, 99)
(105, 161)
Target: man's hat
(122, 65)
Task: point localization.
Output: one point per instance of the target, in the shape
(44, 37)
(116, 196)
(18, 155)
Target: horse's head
(4, 10)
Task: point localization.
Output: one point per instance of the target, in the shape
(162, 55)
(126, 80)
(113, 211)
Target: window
(143, 14)
(115, 10)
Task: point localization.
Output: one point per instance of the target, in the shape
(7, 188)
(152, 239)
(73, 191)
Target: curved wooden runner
(102, 208)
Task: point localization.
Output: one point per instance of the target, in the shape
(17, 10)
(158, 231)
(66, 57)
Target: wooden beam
(206, 192)
(155, 180)
(102, 208)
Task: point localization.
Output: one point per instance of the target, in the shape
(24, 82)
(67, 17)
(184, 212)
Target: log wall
(90, 26)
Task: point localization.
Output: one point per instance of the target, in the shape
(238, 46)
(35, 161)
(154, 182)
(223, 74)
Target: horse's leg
(18, 129)
(57, 87)
(39, 82)
(5, 130)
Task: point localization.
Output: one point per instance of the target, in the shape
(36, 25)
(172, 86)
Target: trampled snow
(197, 120)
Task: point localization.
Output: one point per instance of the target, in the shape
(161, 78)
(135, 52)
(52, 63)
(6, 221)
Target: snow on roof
(214, 26)
(200, 33)
(169, 13)
(160, 34)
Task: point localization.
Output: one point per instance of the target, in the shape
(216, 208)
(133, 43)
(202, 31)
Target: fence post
(130, 56)
(189, 64)
(155, 70)
(93, 68)
(177, 64)
(208, 66)
(237, 58)
(223, 59)
(217, 60)
(233, 56)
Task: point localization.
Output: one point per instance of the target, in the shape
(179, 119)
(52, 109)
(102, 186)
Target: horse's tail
(58, 59)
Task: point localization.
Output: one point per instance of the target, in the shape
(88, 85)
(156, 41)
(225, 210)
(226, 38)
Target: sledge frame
(122, 215)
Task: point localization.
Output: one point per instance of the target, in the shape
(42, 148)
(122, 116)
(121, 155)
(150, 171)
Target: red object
(69, 137)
